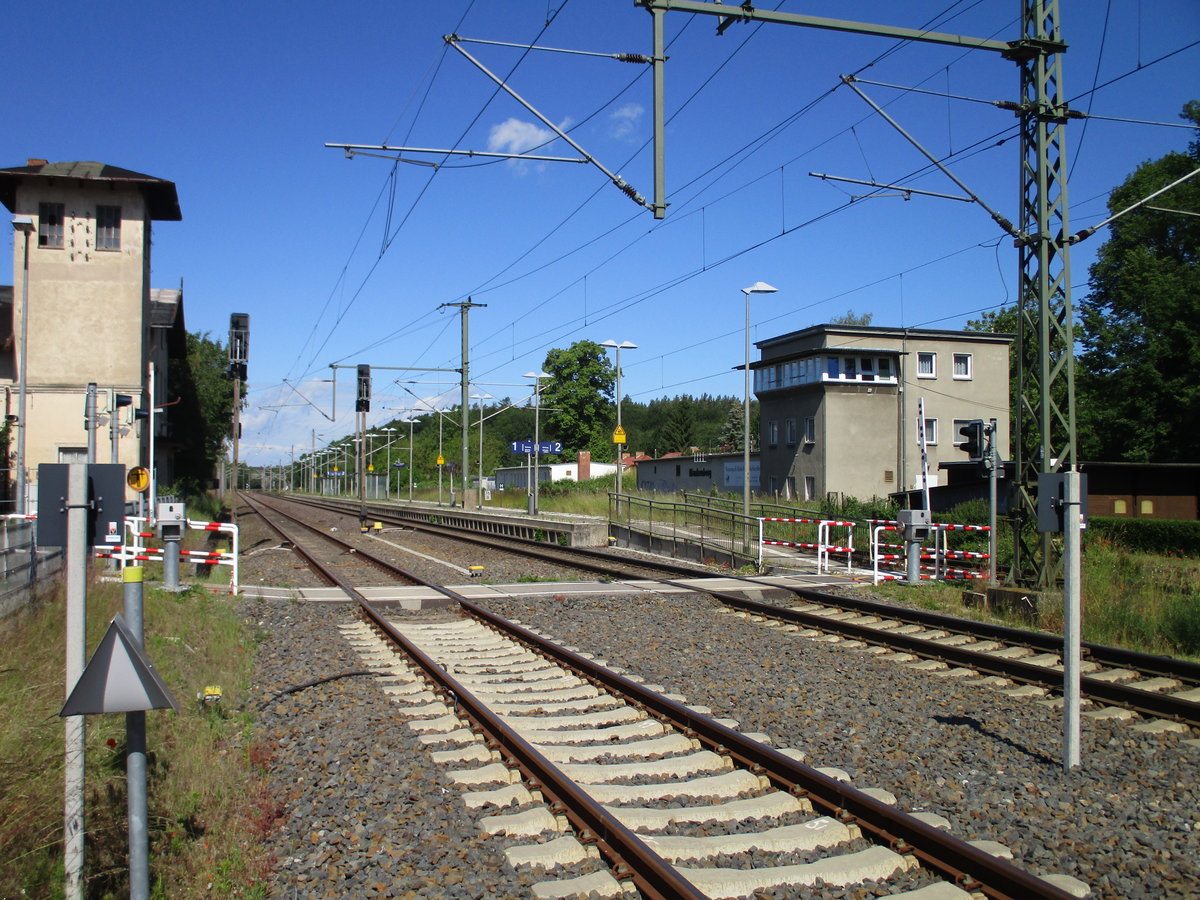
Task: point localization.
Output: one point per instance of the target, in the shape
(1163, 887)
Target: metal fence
(22, 565)
(712, 528)
(707, 533)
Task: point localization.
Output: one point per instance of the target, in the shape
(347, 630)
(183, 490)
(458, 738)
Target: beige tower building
(840, 406)
(82, 232)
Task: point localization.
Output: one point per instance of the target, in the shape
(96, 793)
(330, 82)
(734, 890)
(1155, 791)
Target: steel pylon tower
(1044, 435)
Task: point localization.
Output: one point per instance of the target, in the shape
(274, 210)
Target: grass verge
(209, 809)
(1140, 601)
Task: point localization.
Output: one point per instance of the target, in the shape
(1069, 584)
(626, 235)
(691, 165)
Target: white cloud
(515, 136)
(624, 119)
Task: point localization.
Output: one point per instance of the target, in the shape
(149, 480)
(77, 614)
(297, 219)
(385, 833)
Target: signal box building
(839, 406)
(92, 316)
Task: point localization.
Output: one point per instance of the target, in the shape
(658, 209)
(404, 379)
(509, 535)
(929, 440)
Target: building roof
(161, 197)
(859, 331)
(166, 305)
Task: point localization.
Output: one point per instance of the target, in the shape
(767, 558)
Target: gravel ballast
(368, 814)
(1126, 824)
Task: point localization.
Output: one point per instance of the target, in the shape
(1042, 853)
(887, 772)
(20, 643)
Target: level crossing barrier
(896, 555)
(824, 545)
(135, 550)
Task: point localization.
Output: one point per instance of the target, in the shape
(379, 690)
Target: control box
(916, 523)
(172, 521)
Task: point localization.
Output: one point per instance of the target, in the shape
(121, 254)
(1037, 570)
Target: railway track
(603, 754)
(1119, 683)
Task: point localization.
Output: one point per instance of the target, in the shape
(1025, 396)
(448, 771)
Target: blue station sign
(542, 447)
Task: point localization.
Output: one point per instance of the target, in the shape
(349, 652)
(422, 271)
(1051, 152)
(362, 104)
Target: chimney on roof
(35, 162)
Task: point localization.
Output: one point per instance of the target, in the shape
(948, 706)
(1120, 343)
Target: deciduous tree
(1139, 369)
(578, 398)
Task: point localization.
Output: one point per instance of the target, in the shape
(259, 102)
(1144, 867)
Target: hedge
(1180, 537)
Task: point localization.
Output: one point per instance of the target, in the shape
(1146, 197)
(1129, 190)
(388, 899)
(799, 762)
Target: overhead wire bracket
(1004, 223)
(353, 150)
(627, 189)
(313, 405)
(905, 192)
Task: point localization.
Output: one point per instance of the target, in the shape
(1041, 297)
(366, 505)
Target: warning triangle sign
(118, 678)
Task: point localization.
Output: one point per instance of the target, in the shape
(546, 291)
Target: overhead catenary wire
(708, 267)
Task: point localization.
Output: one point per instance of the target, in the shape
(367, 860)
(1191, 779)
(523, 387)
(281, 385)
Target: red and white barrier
(136, 550)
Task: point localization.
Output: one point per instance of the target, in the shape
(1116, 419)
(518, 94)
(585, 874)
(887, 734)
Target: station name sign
(542, 447)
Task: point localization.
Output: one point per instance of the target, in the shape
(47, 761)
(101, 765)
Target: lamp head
(759, 287)
(23, 223)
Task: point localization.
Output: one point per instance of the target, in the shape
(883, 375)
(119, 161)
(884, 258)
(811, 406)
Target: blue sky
(340, 261)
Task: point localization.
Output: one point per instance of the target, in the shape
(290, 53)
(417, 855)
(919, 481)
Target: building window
(789, 486)
(108, 228)
(885, 367)
(1120, 508)
(962, 366)
(868, 369)
(926, 364)
(772, 433)
(790, 431)
(810, 487)
(810, 430)
(931, 431)
(50, 225)
(1146, 508)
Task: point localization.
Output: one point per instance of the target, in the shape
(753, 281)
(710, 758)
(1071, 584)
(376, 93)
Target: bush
(1176, 537)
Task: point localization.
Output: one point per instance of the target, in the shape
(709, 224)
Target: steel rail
(970, 868)
(630, 858)
(1147, 702)
(365, 555)
(313, 564)
(1151, 703)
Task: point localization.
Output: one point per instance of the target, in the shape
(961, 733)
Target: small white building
(517, 477)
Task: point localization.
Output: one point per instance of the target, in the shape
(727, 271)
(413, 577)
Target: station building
(839, 406)
(82, 231)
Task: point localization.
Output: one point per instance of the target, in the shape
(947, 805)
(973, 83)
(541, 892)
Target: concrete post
(135, 754)
(76, 653)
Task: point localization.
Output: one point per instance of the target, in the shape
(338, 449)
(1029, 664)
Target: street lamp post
(758, 287)
(537, 437)
(388, 488)
(23, 224)
(624, 345)
(479, 491)
(411, 422)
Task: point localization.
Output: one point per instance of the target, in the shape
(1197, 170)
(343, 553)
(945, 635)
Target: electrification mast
(1044, 435)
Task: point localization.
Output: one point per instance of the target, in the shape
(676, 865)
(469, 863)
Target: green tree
(1137, 378)
(730, 437)
(852, 318)
(200, 422)
(578, 398)
(679, 429)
